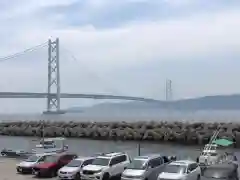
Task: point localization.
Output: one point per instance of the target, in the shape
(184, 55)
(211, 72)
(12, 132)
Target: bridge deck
(73, 95)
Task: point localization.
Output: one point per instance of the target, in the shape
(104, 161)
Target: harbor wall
(175, 132)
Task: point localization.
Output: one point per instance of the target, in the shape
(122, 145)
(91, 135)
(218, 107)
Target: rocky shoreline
(175, 132)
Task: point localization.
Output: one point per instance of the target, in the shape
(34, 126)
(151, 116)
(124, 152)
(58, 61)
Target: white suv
(106, 166)
(181, 170)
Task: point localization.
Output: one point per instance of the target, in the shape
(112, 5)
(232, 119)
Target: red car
(52, 164)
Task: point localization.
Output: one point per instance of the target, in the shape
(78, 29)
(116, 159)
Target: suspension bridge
(53, 94)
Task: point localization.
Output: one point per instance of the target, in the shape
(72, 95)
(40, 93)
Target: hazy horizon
(127, 47)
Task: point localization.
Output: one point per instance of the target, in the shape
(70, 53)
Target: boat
(14, 153)
(215, 151)
(46, 145)
(49, 145)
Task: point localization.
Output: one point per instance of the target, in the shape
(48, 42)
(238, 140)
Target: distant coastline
(217, 102)
(222, 108)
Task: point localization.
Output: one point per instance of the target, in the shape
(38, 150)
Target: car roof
(45, 154)
(182, 162)
(148, 156)
(111, 155)
(83, 158)
(62, 154)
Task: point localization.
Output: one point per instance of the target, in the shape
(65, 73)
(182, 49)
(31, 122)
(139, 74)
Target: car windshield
(74, 163)
(101, 161)
(33, 158)
(179, 169)
(137, 164)
(215, 173)
(51, 159)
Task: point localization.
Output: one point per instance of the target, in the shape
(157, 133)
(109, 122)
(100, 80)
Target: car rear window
(179, 169)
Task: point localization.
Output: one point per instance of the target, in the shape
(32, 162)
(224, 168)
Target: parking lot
(8, 171)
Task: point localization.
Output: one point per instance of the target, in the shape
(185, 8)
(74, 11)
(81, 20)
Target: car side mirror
(188, 171)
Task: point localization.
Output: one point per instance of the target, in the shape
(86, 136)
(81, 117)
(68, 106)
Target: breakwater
(176, 132)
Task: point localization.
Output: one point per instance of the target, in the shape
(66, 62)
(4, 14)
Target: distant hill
(219, 102)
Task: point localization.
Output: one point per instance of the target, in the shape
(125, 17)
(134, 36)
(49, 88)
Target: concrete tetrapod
(175, 132)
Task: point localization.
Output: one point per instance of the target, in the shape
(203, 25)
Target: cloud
(177, 3)
(114, 38)
(139, 42)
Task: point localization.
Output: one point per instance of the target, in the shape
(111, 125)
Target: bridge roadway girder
(68, 95)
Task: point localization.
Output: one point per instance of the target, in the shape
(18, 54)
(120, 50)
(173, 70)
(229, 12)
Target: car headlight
(97, 172)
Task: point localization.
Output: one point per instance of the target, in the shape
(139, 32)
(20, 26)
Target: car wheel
(53, 174)
(198, 177)
(106, 176)
(77, 177)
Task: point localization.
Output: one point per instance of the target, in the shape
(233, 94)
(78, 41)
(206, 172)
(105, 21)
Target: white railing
(211, 144)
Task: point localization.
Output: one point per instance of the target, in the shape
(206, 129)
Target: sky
(127, 47)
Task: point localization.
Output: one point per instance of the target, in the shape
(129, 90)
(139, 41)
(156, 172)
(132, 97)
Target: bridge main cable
(12, 56)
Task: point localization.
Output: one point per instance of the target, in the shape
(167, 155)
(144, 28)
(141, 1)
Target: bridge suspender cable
(22, 52)
(113, 90)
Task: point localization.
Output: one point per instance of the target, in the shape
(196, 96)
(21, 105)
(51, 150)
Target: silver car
(181, 170)
(145, 167)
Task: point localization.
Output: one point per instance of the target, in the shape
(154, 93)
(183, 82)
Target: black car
(225, 171)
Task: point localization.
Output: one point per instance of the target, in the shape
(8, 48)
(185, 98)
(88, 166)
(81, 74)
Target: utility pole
(42, 131)
(53, 97)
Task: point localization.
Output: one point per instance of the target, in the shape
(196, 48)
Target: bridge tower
(53, 97)
(168, 91)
